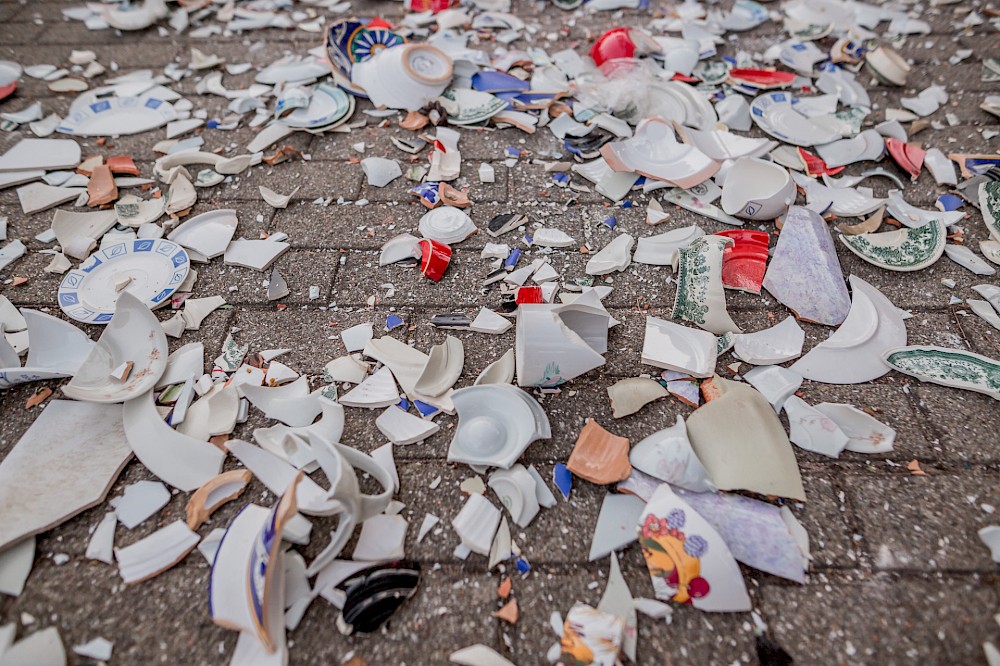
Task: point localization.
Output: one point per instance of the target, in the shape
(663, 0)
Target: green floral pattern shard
(950, 367)
(989, 204)
(903, 250)
(693, 275)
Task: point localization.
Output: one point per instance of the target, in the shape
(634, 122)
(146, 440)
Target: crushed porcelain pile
(754, 146)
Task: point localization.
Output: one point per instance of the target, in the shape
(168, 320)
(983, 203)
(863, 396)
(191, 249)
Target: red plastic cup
(434, 258)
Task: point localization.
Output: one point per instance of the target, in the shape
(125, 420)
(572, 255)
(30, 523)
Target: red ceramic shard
(909, 156)
(761, 78)
(8, 90)
(685, 79)
(529, 295)
(816, 167)
(434, 259)
(123, 164)
(622, 44)
(744, 262)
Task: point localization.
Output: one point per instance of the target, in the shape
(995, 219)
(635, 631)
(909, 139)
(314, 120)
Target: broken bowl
(496, 423)
(756, 189)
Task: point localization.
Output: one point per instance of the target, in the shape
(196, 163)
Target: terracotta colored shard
(744, 262)
(505, 588)
(123, 164)
(909, 156)
(599, 456)
(868, 226)
(415, 121)
(914, 467)
(451, 196)
(509, 613)
(282, 154)
(101, 189)
(37, 398)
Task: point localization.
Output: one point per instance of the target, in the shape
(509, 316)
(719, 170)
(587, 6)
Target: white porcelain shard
(197, 309)
(345, 369)
(406, 364)
(615, 256)
(133, 335)
(292, 404)
(774, 382)
(99, 649)
(654, 152)
(183, 462)
(430, 520)
(29, 114)
(941, 167)
(515, 488)
(380, 171)
(668, 456)
(675, 347)
(496, 423)
(102, 541)
(488, 321)
(215, 413)
(548, 237)
(443, 368)
(966, 258)
(617, 601)
(630, 395)
(377, 391)
(58, 349)
(500, 371)
(659, 250)
(914, 217)
(990, 292)
(866, 146)
(44, 154)
(853, 353)
(812, 430)
(865, 433)
(139, 501)
(556, 343)
(381, 539)
(782, 342)
(700, 297)
(398, 248)
(447, 225)
(208, 234)
(990, 535)
(134, 18)
(75, 451)
(134, 212)
(156, 553)
(756, 189)
(275, 200)
(478, 655)
(15, 567)
(38, 197)
(721, 146)
(985, 311)
(403, 428)
(255, 254)
(616, 523)
(476, 524)
(356, 337)
(42, 648)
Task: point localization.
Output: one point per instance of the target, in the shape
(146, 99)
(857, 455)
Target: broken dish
(57, 349)
(150, 270)
(756, 189)
(156, 553)
(598, 456)
(214, 493)
(654, 152)
(630, 395)
(133, 335)
(555, 343)
(865, 433)
(908, 249)
(659, 250)
(496, 423)
(700, 297)
(668, 456)
(444, 365)
(948, 367)
(207, 234)
(681, 348)
(117, 116)
(782, 342)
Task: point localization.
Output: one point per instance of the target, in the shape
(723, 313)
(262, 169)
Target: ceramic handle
(370, 505)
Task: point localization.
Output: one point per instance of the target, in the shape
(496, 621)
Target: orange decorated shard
(599, 456)
(101, 189)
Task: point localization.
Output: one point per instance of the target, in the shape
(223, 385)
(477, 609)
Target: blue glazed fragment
(563, 479)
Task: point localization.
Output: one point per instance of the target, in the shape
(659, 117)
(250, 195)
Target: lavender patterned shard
(805, 274)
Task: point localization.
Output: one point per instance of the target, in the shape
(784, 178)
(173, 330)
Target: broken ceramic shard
(58, 349)
(947, 367)
(444, 365)
(45, 154)
(598, 456)
(500, 371)
(668, 456)
(804, 274)
(555, 343)
(865, 433)
(774, 382)
(15, 567)
(966, 258)
(207, 234)
(292, 403)
(446, 225)
(744, 262)
(181, 461)
(680, 348)
(74, 449)
(782, 342)
(812, 430)
(590, 636)
(476, 524)
(908, 249)
(373, 595)
(255, 254)
(515, 488)
(659, 250)
(740, 441)
(156, 553)
(214, 493)
(853, 353)
(488, 321)
(687, 559)
(654, 152)
(402, 428)
(378, 390)
(616, 523)
(133, 334)
(630, 395)
(989, 206)
(496, 423)
(700, 297)
(478, 655)
(380, 171)
(615, 256)
(756, 189)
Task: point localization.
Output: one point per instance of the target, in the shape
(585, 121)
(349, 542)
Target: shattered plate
(151, 270)
(908, 249)
(947, 367)
(118, 116)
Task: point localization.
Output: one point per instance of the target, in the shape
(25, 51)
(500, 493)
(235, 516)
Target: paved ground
(899, 575)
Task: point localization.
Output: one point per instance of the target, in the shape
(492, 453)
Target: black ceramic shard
(374, 594)
(501, 224)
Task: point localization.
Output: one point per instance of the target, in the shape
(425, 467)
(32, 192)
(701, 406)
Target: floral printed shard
(701, 297)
